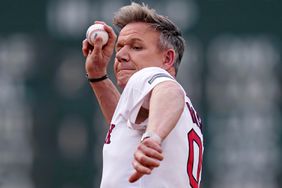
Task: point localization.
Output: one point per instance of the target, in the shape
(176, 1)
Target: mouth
(125, 72)
(125, 69)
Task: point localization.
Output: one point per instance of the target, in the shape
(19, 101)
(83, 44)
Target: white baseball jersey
(182, 148)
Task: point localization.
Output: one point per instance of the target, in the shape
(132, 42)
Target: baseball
(94, 31)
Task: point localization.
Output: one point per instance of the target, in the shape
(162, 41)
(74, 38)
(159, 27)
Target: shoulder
(150, 76)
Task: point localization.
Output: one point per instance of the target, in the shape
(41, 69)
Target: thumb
(134, 177)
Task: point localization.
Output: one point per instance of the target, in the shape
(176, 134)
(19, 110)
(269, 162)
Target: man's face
(136, 48)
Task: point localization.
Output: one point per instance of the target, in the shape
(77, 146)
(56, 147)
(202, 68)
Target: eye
(136, 47)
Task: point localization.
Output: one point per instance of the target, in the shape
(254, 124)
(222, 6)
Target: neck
(172, 72)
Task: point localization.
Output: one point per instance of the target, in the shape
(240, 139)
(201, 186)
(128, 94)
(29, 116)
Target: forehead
(138, 29)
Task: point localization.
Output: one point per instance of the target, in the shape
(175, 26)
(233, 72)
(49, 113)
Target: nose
(122, 55)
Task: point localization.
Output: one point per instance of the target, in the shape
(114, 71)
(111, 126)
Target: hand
(98, 56)
(147, 156)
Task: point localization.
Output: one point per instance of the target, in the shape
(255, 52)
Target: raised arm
(107, 96)
(97, 60)
(166, 106)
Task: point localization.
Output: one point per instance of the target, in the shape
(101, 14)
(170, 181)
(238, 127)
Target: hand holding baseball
(98, 48)
(97, 30)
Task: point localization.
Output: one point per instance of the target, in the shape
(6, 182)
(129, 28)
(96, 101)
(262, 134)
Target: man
(155, 138)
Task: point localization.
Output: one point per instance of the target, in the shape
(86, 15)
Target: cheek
(140, 63)
(150, 60)
(149, 63)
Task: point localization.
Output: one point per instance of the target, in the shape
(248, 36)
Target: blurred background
(52, 131)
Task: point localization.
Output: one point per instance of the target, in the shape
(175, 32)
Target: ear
(169, 57)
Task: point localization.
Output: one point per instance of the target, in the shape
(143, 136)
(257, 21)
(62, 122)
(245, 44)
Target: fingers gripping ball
(94, 31)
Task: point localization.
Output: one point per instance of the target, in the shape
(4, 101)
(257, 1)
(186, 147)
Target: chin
(121, 84)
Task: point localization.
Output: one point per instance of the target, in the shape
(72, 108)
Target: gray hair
(170, 35)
